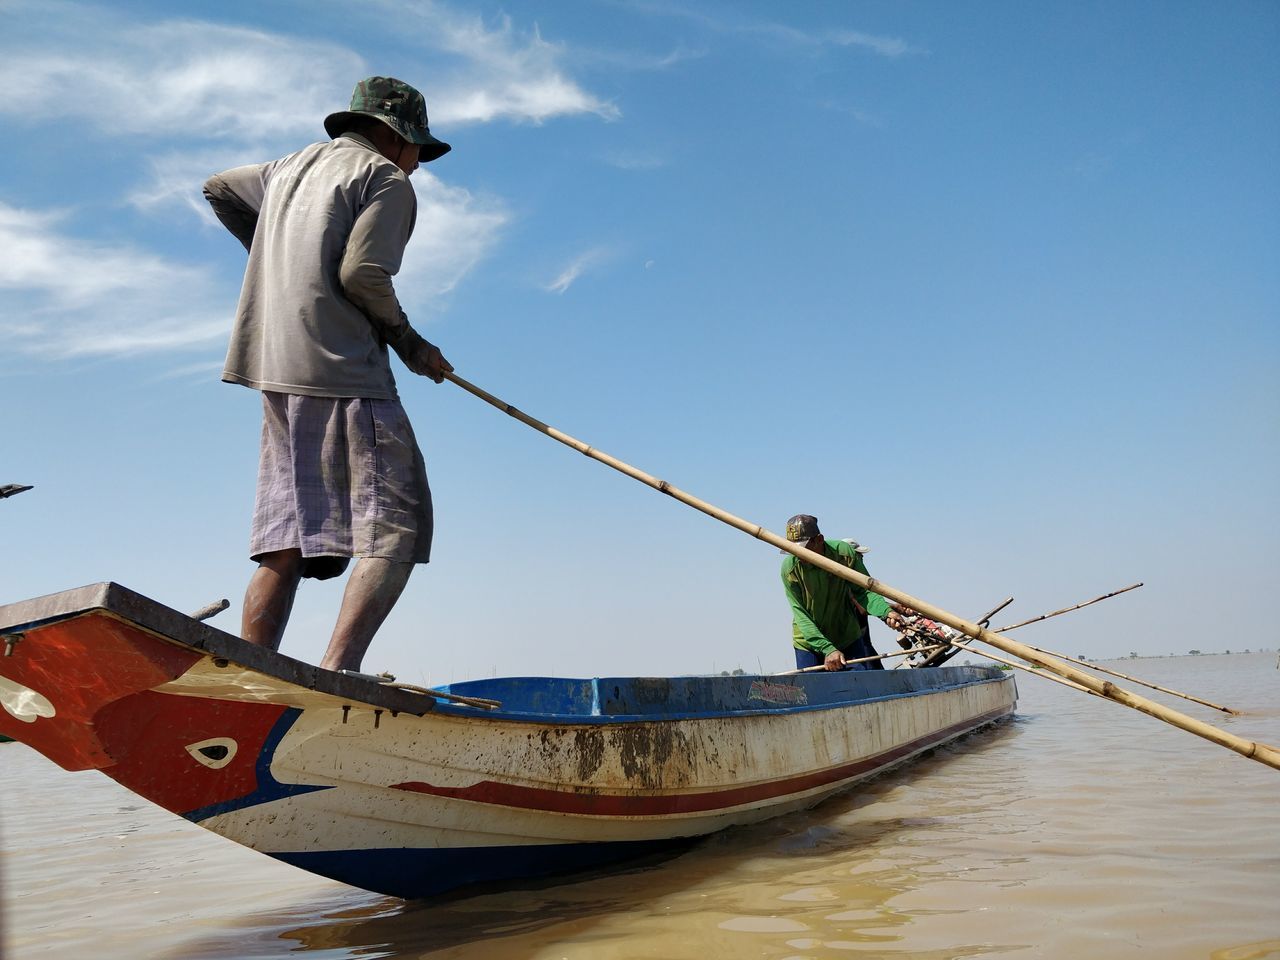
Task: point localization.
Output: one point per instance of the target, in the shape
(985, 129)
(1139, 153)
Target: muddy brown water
(1080, 829)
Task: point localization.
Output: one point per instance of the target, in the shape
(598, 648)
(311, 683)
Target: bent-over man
(340, 473)
(828, 614)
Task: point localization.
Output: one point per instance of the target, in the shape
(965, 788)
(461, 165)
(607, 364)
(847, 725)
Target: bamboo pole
(1085, 663)
(1094, 666)
(387, 680)
(484, 702)
(879, 656)
(1022, 666)
(985, 619)
(1145, 683)
(1261, 752)
(1058, 613)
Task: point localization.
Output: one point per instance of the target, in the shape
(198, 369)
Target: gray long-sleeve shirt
(326, 229)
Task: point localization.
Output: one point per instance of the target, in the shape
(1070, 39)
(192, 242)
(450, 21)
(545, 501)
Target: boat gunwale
(462, 711)
(172, 626)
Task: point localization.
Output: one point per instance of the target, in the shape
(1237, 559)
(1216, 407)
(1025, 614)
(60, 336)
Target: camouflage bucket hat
(396, 104)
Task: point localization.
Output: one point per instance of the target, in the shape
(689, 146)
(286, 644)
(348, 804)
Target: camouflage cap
(396, 104)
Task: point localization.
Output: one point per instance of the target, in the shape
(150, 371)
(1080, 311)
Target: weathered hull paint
(399, 793)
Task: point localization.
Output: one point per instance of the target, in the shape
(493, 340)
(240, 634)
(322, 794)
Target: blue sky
(991, 287)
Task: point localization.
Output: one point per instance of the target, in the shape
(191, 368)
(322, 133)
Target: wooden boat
(410, 793)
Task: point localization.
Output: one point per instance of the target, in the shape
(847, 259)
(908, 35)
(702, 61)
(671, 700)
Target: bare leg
(372, 590)
(269, 598)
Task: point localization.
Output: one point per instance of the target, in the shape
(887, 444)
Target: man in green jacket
(829, 615)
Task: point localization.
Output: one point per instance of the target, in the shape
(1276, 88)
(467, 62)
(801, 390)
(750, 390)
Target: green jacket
(823, 614)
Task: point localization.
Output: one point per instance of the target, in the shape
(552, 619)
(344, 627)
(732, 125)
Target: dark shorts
(338, 478)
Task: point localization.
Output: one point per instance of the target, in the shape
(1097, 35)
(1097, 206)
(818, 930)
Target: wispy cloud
(862, 116)
(203, 80)
(186, 97)
(176, 176)
(205, 370)
(180, 78)
(70, 297)
(62, 296)
(638, 61)
(575, 269)
(225, 91)
(821, 38)
(503, 72)
(456, 230)
(884, 46)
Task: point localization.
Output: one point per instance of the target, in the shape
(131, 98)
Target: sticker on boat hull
(782, 693)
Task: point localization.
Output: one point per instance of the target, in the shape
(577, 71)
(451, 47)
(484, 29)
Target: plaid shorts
(340, 477)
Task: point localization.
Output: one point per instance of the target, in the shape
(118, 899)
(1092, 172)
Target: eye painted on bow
(214, 753)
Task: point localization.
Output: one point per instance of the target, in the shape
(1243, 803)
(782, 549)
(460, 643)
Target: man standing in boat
(340, 473)
(828, 614)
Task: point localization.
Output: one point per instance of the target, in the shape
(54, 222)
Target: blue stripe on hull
(425, 872)
(609, 700)
(268, 788)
